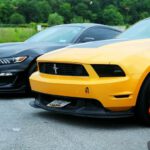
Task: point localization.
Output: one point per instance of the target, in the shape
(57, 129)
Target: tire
(143, 103)
(31, 70)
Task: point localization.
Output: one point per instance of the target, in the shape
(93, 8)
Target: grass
(16, 34)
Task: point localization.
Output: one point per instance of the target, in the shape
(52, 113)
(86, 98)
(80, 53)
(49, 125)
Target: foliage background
(18, 18)
(112, 12)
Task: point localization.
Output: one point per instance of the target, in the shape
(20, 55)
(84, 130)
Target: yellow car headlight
(108, 70)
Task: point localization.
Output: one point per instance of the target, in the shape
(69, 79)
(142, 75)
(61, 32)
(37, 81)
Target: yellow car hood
(116, 52)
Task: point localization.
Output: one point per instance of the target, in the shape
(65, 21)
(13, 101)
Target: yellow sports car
(110, 78)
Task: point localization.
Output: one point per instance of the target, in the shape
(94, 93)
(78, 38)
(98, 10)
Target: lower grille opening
(5, 80)
(75, 102)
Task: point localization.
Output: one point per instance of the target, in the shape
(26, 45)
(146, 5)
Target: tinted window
(98, 33)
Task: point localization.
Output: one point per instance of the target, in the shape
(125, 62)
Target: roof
(88, 25)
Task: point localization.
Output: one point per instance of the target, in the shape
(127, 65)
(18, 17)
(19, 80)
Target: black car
(18, 60)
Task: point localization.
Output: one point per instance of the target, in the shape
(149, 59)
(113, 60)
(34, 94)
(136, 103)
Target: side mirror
(88, 39)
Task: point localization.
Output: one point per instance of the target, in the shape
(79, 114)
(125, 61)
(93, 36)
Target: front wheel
(143, 103)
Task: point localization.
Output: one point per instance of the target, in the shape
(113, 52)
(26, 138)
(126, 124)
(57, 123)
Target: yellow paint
(132, 56)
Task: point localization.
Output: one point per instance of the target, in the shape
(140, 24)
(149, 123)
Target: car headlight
(109, 70)
(13, 60)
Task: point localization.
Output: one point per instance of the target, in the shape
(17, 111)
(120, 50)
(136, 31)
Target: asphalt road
(26, 128)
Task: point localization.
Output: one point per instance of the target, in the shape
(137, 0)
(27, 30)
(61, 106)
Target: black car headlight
(13, 60)
(109, 70)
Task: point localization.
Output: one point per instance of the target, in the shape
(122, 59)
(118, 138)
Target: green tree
(34, 11)
(81, 9)
(43, 9)
(55, 4)
(17, 18)
(112, 16)
(130, 10)
(98, 11)
(30, 10)
(55, 19)
(6, 9)
(66, 11)
(144, 15)
(79, 19)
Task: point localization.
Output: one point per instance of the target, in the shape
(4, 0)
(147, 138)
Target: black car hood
(12, 49)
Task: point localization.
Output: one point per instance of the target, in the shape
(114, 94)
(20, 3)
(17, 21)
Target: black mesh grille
(62, 69)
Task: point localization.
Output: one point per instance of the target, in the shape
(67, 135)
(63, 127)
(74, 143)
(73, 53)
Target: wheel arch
(31, 64)
(141, 83)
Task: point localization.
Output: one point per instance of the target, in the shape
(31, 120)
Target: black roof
(88, 25)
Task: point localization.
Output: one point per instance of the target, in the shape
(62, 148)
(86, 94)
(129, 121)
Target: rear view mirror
(88, 39)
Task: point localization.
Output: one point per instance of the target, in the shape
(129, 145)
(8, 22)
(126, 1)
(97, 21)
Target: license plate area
(58, 104)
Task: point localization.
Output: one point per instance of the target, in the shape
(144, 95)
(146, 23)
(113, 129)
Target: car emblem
(87, 90)
(55, 69)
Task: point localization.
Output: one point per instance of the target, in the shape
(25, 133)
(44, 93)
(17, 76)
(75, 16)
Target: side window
(97, 33)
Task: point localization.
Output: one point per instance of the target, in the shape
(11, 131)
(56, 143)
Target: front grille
(62, 69)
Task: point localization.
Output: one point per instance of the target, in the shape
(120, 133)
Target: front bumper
(13, 84)
(16, 81)
(115, 94)
(79, 107)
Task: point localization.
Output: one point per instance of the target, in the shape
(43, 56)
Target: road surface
(26, 128)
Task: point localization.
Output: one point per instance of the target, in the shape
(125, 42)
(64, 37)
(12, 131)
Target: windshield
(57, 34)
(138, 31)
